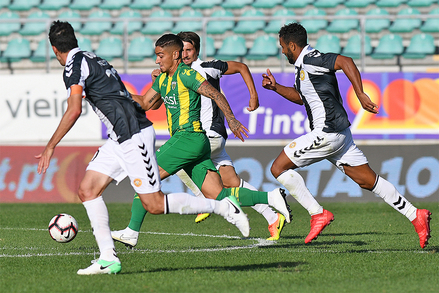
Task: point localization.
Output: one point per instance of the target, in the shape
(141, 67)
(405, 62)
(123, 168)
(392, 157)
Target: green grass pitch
(368, 248)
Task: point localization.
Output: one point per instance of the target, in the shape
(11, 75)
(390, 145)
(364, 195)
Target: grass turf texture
(368, 248)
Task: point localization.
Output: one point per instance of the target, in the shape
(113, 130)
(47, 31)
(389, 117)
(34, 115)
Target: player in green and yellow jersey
(179, 87)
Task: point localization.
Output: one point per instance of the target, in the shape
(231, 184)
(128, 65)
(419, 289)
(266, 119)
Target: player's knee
(86, 194)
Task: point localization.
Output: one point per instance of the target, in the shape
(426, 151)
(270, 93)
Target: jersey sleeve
(321, 60)
(191, 79)
(215, 68)
(156, 85)
(76, 72)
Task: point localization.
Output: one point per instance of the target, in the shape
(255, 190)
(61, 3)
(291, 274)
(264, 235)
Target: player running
(212, 120)
(316, 87)
(128, 151)
(179, 87)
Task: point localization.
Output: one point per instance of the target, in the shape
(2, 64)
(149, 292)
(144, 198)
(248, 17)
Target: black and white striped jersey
(318, 87)
(104, 91)
(212, 118)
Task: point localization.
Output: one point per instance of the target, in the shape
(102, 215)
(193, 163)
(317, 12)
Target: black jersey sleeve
(215, 68)
(72, 72)
(322, 60)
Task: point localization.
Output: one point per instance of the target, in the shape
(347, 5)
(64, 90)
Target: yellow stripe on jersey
(183, 98)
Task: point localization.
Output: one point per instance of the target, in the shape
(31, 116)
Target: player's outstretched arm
(350, 69)
(151, 100)
(241, 68)
(74, 110)
(206, 89)
(289, 93)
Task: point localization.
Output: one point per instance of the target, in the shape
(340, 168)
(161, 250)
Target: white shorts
(338, 148)
(219, 155)
(134, 158)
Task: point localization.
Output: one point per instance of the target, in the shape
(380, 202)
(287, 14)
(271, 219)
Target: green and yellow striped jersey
(183, 103)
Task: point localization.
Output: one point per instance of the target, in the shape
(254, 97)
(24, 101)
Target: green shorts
(189, 151)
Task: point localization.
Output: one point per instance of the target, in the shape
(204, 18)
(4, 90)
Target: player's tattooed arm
(150, 101)
(206, 89)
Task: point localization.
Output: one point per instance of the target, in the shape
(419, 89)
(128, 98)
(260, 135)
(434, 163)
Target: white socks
(184, 204)
(263, 209)
(98, 214)
(392, 197)
(294, 183)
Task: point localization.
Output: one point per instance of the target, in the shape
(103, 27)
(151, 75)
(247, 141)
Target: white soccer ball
(63, 228)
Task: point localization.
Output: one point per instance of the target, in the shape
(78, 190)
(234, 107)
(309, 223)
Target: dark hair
(294, 32)
(192, 38)
(168, 40)
(62, 36)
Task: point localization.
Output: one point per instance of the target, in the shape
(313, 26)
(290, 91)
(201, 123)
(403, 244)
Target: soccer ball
(63, 228)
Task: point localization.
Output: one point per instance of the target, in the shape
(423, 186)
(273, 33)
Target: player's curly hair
(170, 40)
(62, 36)
(294, 32)
(192, 38)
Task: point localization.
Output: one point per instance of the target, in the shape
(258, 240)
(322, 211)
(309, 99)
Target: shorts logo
(302, 75)
(137, 182)
(292, 145)
(173, 85)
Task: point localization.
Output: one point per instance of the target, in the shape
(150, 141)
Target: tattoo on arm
(209, 91)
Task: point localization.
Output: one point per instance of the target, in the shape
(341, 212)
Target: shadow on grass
(249, 267)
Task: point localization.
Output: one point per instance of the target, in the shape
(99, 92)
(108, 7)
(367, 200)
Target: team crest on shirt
(302, 75)
(173, 85)
(137, 182)
(292, 145)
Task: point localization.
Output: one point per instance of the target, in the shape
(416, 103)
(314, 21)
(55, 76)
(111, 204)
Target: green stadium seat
(328, 44)
(84, 5)
(110, 48)
(431, 25)
(145, 4)
(68, 15)
(388, 47)
(16, 50)
(175, 4)
(421, 3)
(205, 4)
(39, 55)
(114, 4)
(390, 3)
(133, 25)
(236, 4)
(140, 48)
(344, 25)
(420, 46)
(53, 4)
(266, 4)
(23, 5)
(97, 27)
(210, 47)
(8, 28)
(84, 44)
(274, 26)
(4, 3)
(159, 26)
(313, 25)
(263, 47)
(353, 47)
(250, 26)
(376, 25)
(35, 28)
(232, 48)
(187, 24)
(406, 25)
(327, 3)
(217, 27)
(297, 4)
(358, 3)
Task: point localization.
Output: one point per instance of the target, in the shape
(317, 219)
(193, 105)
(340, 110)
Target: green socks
(246, 197)
(138, 213)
